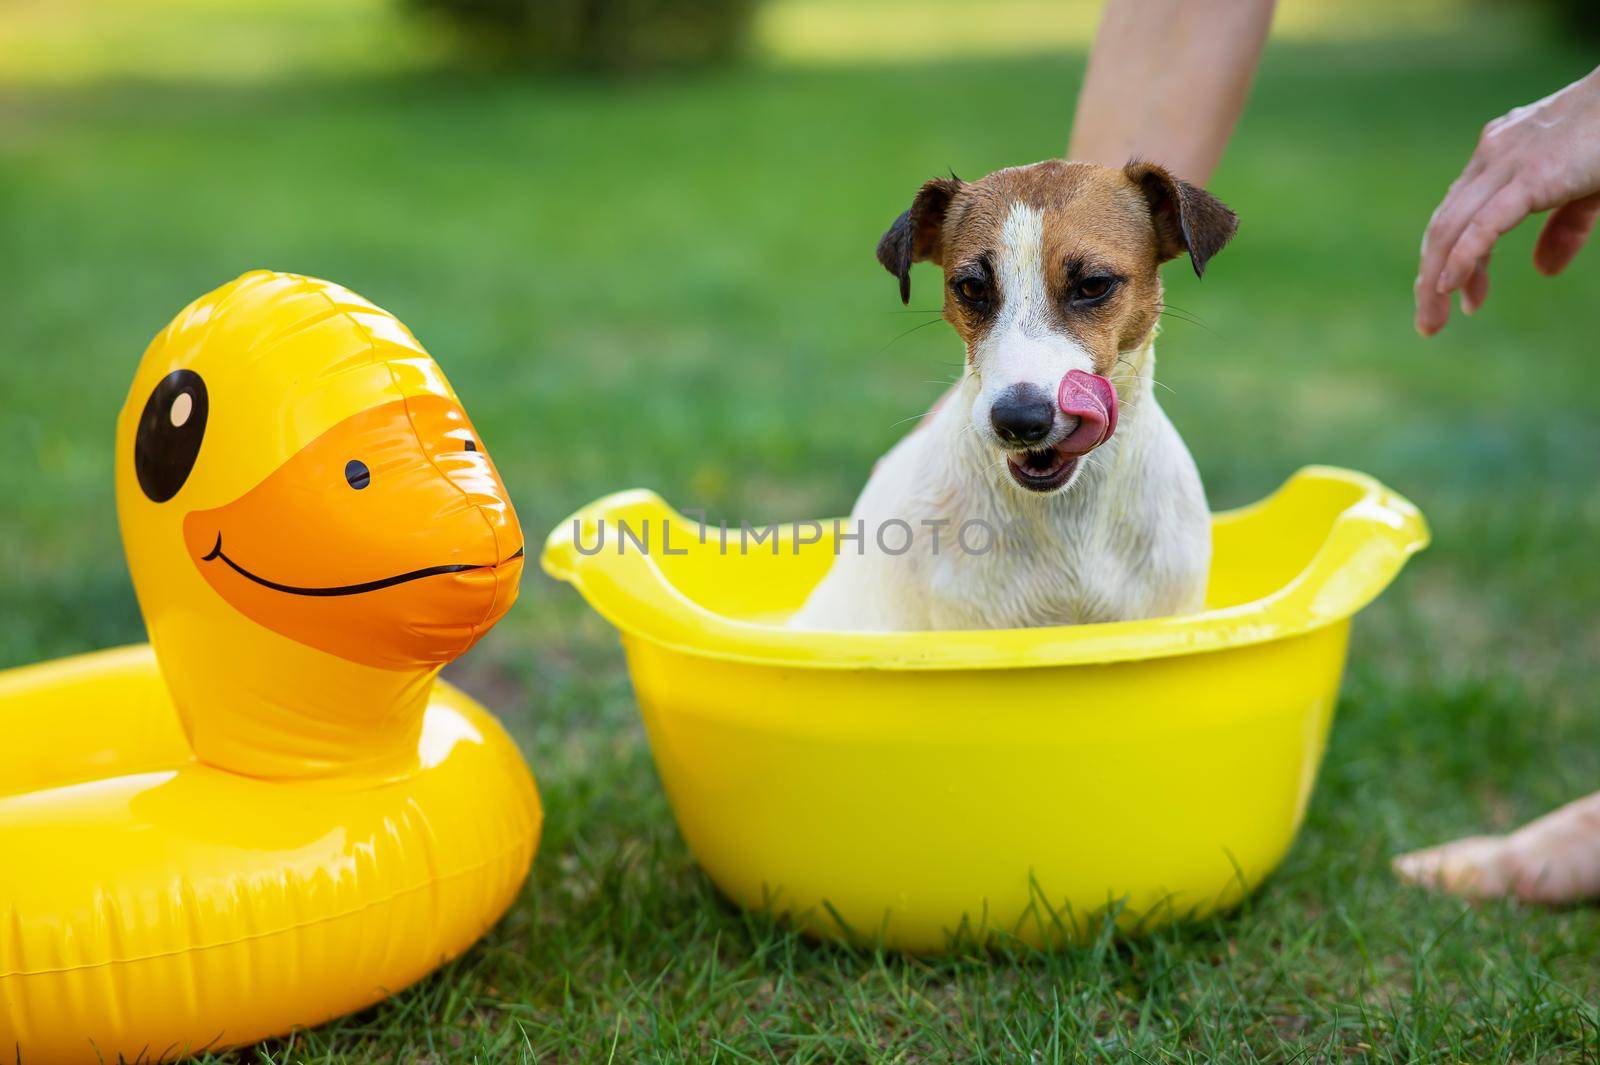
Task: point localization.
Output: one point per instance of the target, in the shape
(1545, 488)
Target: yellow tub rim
(1373, 531)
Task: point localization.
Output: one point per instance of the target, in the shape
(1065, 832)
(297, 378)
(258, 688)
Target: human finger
(1443, 232)
(1476, 290)
(1498, 215)
(1564, 234)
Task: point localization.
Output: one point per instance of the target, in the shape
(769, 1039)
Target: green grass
(670, 283)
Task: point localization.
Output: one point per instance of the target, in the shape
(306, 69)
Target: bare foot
(1553, 860)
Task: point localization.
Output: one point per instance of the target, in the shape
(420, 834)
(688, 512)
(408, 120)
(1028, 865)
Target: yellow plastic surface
(911, 787)
(275, 815)
(298, 369)
(153, 906)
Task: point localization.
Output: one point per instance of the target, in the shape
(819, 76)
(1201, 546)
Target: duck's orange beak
(389, 540)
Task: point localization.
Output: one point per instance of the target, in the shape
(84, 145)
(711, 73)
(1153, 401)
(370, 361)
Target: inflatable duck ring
(273, 814)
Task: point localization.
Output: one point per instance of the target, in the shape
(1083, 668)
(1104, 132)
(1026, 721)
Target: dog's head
(1050, 275)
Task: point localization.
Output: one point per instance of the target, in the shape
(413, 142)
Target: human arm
(1167, 81)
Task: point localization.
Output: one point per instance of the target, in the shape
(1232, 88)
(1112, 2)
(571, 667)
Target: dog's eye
(974, 290)
(1093, 289)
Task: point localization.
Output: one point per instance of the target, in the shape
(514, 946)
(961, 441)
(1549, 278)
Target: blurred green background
(663, 276)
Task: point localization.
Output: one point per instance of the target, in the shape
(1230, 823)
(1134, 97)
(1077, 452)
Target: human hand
(1542, 157)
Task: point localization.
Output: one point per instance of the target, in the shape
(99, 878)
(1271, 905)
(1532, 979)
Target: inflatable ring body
(153, 906)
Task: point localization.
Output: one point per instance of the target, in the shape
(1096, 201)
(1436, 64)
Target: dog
(1048, 487)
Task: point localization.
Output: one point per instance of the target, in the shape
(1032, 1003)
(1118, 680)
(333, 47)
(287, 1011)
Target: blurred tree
(605, 35)
(1578, 17)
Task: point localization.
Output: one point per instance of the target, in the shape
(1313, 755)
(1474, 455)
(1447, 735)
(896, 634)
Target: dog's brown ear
(916, 235)
(1187, 217)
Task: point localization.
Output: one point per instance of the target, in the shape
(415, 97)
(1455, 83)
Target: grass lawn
(670, 284)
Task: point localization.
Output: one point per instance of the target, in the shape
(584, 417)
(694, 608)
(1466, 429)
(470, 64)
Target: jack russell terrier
(1089, 505)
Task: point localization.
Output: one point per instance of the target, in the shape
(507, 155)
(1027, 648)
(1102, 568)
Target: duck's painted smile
(350, 589)
(404, 490)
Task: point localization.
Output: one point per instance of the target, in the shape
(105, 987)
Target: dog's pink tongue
(1092, 400)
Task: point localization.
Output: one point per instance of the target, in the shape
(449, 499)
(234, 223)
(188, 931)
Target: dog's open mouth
(1042, 471)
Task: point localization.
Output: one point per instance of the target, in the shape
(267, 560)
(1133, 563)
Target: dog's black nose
(1022, 416)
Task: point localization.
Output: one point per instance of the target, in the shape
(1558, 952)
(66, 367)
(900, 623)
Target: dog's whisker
(997, 465)
(1141, 377)
(1165, 308)
(908, 332)
(912, 418)
(1188, 321)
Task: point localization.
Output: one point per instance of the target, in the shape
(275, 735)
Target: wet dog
(1048, 487)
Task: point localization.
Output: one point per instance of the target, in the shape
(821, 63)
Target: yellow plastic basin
(908, 788)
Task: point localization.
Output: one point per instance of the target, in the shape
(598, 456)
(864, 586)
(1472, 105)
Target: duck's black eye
(472, 445)
(357, 474)
(167, 441)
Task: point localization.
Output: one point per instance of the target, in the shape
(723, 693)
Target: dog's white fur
(1128, 535)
